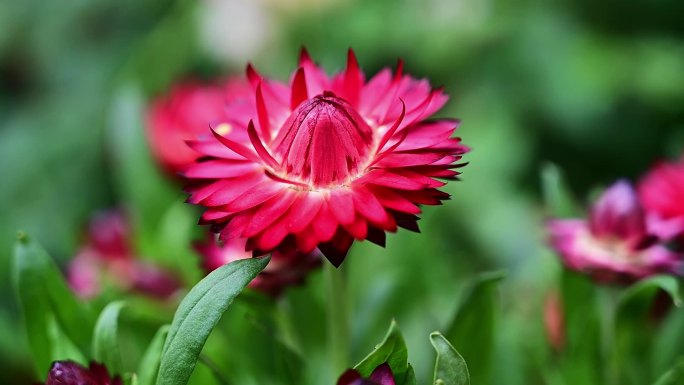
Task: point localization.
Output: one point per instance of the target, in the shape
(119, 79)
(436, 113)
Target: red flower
(285, 269)
(108, 256)
(71, 373)
(184, 114)
(662, 194)
(382, 375)
(616, 243)
(327, 160)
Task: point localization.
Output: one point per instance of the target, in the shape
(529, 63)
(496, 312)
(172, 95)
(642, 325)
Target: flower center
(324, 142)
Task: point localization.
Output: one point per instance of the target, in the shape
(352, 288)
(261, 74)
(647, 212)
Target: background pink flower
(107, 256)
(615, 243)
(284, 269)
(661, 191)
(185, 114)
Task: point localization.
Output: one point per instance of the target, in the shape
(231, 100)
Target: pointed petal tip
(352, 61)
(399, 72)
(299, 90)
(252, 75)
(304, 56)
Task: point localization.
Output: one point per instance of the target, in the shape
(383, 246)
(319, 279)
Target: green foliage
(265, 357)
(197, 315)
(633, 329)
(558, 198)
(474, 326)
(106, 338)
(139, 183)
(674, 376)
(581, 358)
(392, 350)
(149, 364)
(450, 367)
(44, 295)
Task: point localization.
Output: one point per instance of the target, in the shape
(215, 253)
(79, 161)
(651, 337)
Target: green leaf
(674, 376)
(392, 350)
(581, 362)
(62, 347)
(149, 364)
(43, 293)
(197, 315)
(638, 298)
(474, 324)
(252, 324)
(450, 368)
(137, 178)
(106, 337)
(634, 334)
(410, 376)
(130, 379)
(175, 234)
(558, 199)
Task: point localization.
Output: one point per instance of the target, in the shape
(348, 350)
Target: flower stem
(608, 298)
(338, 317)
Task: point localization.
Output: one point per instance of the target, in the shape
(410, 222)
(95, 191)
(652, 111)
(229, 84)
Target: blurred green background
(595, 87)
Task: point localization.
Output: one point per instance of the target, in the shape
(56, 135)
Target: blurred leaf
(474, 325)
(410, 378)
(674, 376)
(252, 325)
(634, 334)
(667, 344)
(130, 379)
(62, 347)
(581, 360)
(174, 240)
(138, 181)
(105, 338)
(42, 292)
(392, 350)
(450, 368)
(172, 42)
(149, 364)
(197, 315)
(288, 364)
(558, 198)
(639, 297)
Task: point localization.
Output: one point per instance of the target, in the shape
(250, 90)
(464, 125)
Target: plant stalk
(338, 317)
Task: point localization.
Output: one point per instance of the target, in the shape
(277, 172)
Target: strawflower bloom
(327, 160)
(382, 375)
(184, 114)
(615, 244)
(284, 270)
(71, 373)
(108, 256)
(662, 194)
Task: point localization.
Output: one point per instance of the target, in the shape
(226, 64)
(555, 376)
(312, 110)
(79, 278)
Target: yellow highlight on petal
(224, 129)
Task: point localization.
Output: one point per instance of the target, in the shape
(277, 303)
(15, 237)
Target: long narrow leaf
(474, 325)
(105, 337)
(42, 294)
(149, 364)
(198, 314)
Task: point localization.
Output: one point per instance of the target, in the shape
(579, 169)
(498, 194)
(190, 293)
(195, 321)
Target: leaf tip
(22, 237)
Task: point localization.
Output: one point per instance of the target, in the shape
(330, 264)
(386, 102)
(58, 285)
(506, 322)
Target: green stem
(338, 317)
(608, 300)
